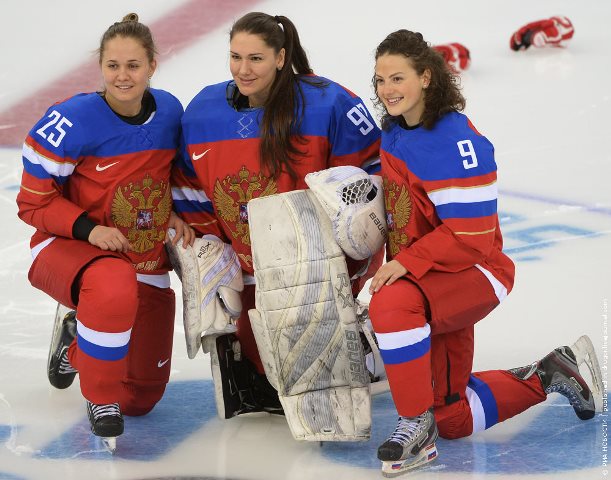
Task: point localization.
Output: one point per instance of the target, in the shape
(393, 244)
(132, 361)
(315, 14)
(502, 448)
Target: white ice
(547, 113)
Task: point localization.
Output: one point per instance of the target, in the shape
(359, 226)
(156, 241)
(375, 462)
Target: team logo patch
(398, 212)
(141, 211)
(232, 194)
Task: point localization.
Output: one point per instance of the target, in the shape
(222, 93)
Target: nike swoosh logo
(197, 157)
(101, 169)
(161, 364)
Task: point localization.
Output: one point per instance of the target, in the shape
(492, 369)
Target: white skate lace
(408, 429)
(64, 364)
(111, 409)
(569, 392)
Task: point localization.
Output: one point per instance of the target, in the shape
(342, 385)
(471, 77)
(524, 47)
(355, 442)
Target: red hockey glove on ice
(456, 55)
(553, 32)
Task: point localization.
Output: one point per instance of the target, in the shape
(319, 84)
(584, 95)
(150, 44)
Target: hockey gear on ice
(554, 32)
(211, 281)
(559, 373)
(61, 374)
(106, 422)
(411, 445)
(456, 55)
(354, 202)
(305, 319)
(238, 387)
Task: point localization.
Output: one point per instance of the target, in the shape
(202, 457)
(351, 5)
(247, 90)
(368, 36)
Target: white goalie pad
(354, 202)
(305, 319)
(211, 279)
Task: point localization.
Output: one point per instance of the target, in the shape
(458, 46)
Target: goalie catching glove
(354, 202)
(211, 279)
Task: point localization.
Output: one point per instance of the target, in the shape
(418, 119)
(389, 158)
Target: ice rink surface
(547, 113)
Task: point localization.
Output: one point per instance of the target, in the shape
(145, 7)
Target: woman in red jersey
(446, 269)
(96, 186)
(259, 134)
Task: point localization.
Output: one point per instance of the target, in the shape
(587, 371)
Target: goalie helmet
(354, 201)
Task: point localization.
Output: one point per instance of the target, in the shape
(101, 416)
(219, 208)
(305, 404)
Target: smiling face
(253, 66)
(400, 88)
(126, 71)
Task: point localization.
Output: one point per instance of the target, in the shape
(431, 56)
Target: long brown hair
(284, 107)
(443, 92)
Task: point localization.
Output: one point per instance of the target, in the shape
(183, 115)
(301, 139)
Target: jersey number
(53, 137)
(465, 147)
(358, 116)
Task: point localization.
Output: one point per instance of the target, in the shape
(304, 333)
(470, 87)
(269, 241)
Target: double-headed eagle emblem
(398, 211)
(141, 211)
(232, 194)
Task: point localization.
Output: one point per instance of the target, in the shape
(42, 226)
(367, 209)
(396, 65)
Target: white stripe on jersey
(50, 166)
(185, 193)
(464, 195)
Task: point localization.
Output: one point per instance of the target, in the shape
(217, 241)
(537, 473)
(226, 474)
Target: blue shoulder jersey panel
(452, 149)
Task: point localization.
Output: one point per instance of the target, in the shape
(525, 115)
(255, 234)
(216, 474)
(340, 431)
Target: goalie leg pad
(305, 322)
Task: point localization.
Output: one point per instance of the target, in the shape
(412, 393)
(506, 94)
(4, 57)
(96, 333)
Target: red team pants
(425, 332)
(124, 327)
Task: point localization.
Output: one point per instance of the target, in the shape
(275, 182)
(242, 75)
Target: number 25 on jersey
(56, 135)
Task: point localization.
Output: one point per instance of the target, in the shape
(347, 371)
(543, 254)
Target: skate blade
(110, 444)
(60, 313)
(399, 467)
(585, 354)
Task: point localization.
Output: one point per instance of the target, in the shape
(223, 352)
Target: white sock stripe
(390, 341)
(103, 339)
(477, 410)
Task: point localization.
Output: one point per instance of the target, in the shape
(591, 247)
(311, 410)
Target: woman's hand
(109, 238)
(183, 230)
(386, 275)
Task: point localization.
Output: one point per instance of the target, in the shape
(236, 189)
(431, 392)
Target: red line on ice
(178, 29)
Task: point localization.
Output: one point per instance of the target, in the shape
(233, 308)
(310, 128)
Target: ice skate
(239, 388)
(559, 373)
(59, 371)
(106, 422)
(411, 445)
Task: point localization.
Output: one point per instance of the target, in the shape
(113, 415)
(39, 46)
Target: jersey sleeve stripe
(463, 182)
(467, 210)
(483, 232)
(185, 206)
(190, 194)
(35, 192)
(32, 161)
(44, 152)
(464, 195)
